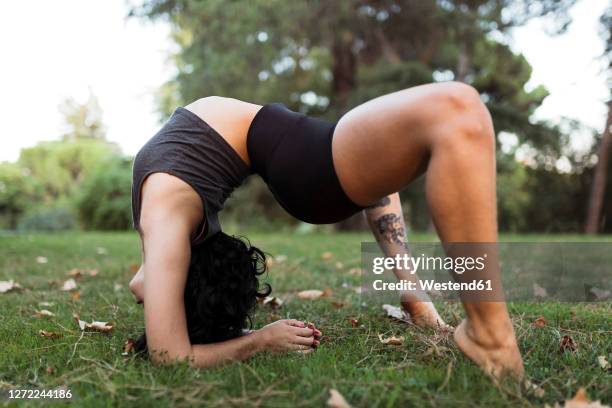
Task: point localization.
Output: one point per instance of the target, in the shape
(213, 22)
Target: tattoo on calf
(385, 201)
(390, 226)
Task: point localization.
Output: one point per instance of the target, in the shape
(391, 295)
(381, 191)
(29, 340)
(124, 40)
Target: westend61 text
(429, 284)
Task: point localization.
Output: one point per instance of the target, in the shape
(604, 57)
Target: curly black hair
(222, 289)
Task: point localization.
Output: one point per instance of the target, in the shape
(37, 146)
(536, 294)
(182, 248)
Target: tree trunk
(598, 188)
(463, 62)
(388, 51)
(344, 67)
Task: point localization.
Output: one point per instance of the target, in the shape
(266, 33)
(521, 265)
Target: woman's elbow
(170, 356)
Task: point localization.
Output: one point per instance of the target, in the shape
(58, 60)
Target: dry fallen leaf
(69, 284)
(273, 301)
(326, 256)
(128, 347)
(269, 262)
(395, 312)
(45, 304)
(80, 322)
(327, 292)
(336, 400)
(354, 321)
(42, 259)
(310, 294)
(74, 273)
(539, 322)
(102, 327)
(539, 291)
(355, 271)
(581, 400)
(603, 362)
(134, 267)
(567, 344)
(339, 265)
(391, 341)
(49, 334)
(43, 313)
(337, 304)
(93, 272)
(7, 286)
(534, 389)
(435, 350)
(600, 294)
(75, 295)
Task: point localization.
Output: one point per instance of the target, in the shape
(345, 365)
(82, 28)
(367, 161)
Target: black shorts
(292, 152)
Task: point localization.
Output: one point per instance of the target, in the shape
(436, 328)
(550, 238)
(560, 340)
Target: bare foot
(424, 314)
(494, 350)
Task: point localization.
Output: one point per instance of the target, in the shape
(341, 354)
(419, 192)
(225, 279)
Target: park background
(67, 164)
(85, 83)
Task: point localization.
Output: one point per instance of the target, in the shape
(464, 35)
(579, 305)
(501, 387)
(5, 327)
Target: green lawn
(428, 370)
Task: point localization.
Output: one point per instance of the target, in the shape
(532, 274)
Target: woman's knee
(465, 120)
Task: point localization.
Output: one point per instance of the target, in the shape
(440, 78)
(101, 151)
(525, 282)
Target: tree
(83, 120)
(598, 188)
(322, 57)
(39, 190)
(60, 166)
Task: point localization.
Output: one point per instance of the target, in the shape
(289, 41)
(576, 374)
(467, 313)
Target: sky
(53, 50)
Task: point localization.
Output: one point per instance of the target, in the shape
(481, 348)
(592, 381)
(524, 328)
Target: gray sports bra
(188, 148)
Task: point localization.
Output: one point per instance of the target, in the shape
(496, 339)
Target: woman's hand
(287, 335)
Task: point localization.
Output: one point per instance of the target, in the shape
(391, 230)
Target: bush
(17, 193)
(104, 199)
(53, 219)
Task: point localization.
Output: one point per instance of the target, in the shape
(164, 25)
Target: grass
(427, 370)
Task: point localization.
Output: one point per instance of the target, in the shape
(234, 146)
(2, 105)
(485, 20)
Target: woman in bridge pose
(199, 285)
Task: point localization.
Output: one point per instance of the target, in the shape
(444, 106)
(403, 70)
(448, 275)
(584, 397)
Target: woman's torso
(202, 145)
(214, 143)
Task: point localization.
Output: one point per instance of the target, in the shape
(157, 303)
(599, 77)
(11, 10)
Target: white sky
(52, 50)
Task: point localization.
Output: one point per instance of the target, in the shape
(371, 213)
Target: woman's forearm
(215, 354)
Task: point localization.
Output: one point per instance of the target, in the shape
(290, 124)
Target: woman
(200, 284)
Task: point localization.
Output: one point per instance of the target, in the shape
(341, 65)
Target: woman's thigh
(381, 146)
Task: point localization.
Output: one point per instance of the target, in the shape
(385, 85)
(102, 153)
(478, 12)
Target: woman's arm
(166, 326)
(168, 217)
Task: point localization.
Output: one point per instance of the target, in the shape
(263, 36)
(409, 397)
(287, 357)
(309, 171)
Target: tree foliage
(104, 199)
(43, 188)
(17, 192)
(321, 57)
